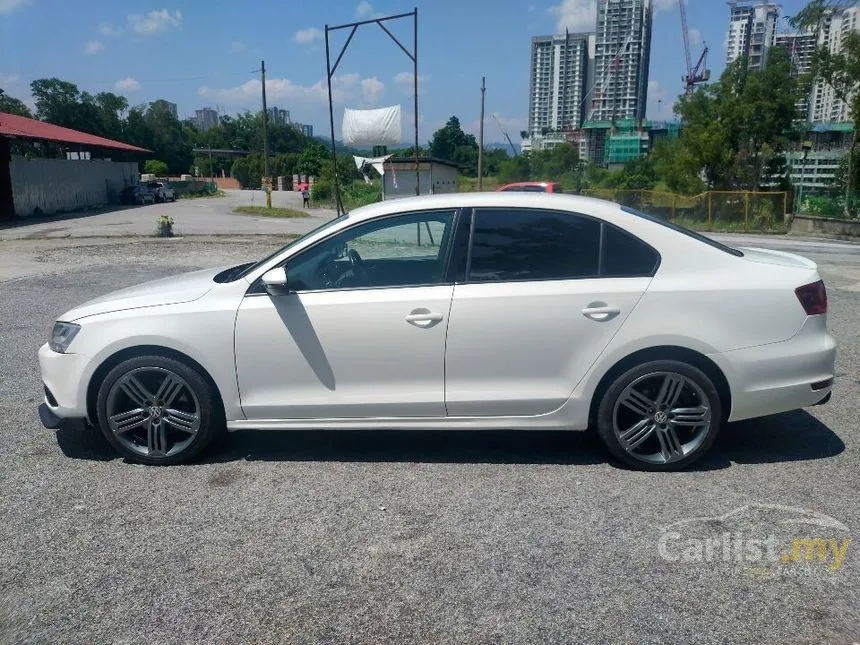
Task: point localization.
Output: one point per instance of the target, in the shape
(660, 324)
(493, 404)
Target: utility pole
(265, 122)
(481, 137)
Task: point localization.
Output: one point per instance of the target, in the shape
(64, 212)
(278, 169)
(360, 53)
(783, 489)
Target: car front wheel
(158, 411)
(661, 415)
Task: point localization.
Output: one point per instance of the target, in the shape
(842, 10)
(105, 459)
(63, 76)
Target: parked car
(456, 311)
(532, 187)
(136, 195)
(163, 192)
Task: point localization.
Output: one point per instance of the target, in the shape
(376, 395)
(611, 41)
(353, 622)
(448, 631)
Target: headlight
(62, 336)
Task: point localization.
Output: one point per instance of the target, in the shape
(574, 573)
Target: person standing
(306, 196)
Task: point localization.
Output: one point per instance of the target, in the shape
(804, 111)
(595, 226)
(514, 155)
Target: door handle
(600, 311)
(423, 318)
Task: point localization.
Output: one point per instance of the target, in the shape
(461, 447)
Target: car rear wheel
(661, 415)
(158, 411)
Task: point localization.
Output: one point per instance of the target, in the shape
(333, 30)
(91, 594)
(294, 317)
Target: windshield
(245, 269)
(684, 231)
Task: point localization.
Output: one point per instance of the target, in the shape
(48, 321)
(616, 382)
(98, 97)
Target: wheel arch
(665, 352)
(118, 357)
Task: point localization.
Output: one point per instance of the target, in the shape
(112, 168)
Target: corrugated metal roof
(12, 125)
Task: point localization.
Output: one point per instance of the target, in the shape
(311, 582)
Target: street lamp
(807, 146)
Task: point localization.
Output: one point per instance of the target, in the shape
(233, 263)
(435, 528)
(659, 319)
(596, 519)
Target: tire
(188, 418)
(660, 416)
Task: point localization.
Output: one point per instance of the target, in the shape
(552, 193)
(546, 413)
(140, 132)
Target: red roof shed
(20, 127)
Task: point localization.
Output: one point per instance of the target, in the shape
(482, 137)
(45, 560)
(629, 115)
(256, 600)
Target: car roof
(556, 201)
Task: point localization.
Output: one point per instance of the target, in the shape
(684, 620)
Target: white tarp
(377, 163)
(380, 127)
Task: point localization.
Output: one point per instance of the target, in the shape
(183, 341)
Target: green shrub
(321, 191)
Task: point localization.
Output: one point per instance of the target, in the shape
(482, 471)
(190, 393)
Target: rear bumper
(784, 376)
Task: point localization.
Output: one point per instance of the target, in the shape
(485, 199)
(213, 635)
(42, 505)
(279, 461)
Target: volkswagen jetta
(482, 311)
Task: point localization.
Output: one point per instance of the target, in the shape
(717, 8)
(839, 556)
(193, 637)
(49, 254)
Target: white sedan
(461, 311)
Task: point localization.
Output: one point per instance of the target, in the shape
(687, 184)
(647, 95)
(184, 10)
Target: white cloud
(93, 47)
(576, 15)
(351, 89)
(106, 29)
(127, 84)
(404, 80)
(8, 6)
(9, 79)
(308, 36)
(364, 10)
(155, 22)
(237, 47)
(695, 36)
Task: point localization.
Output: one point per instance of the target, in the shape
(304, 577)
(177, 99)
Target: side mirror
(275, 282)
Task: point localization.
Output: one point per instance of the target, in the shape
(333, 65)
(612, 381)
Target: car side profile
(459, 311)
(161, 191)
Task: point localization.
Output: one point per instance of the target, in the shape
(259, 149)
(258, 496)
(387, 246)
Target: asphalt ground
(405, 537)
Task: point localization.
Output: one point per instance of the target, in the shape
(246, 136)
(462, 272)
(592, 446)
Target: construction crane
(513, 147)
(698, 73)
(603, 83)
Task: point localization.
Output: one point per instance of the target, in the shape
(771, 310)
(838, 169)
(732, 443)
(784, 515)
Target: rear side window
(625, 256)
(512, 245)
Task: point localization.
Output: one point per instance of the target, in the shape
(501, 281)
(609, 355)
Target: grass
(270, 212)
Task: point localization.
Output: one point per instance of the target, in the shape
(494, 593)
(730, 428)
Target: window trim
(257, 289)
(599, 276)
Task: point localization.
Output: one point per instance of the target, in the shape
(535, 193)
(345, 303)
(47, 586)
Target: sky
(198, 54)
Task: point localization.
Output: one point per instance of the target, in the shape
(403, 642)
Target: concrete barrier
(846, 228)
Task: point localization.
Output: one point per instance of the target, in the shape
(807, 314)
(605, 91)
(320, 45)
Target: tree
(452, 144)
(11, 105)
(57, 101)
(170, 141)
(312, 159)
(155, 167)
(840, 71)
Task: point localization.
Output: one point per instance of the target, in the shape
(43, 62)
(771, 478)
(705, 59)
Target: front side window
(513, 245)
(404, 250)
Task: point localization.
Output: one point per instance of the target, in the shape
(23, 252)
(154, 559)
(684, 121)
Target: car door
(361, 332)
(541, 300)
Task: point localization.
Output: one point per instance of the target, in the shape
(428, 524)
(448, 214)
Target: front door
(362, 332)
(545, 293)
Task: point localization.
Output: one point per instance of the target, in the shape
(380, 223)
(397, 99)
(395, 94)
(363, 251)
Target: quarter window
(625, 256)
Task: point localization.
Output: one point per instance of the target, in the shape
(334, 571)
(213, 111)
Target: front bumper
(52, 422)
(64, 376)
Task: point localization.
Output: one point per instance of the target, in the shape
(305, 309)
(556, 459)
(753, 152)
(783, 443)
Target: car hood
(184, 287)
(780, 258)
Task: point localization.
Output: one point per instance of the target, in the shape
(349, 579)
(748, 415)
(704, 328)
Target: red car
(533, 187)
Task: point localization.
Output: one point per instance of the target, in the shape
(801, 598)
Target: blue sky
(195, 55)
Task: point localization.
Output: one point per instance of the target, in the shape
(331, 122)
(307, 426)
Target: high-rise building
(559, 76)
(752, 30)
(800, 48)
(305, 129)
(833, 30)
(205, 118)
(621, 60)
(278, 116)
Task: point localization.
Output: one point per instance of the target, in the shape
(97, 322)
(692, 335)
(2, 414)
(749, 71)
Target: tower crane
(698, 73)
(499, 123)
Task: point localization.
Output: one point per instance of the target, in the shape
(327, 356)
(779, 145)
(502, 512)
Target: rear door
(544, 293)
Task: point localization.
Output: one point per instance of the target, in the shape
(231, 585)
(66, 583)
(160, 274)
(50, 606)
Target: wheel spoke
(168, 390)
(637, 433)
(125, 421)
(670, 390)
(670, 446)
(690, 416)
(638, 402)
(156, 438)
(136, 391)
(185, 421)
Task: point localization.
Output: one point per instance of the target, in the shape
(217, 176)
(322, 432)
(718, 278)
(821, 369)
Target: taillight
(813, 298)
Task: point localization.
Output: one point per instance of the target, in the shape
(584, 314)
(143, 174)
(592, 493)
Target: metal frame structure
(353, 26)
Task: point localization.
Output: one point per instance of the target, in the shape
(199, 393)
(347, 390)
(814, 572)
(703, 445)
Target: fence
(727, 211)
